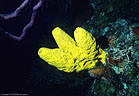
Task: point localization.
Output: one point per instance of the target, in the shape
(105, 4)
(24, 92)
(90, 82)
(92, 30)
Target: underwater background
(114, 24)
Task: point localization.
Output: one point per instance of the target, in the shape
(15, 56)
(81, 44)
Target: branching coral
(16, 12)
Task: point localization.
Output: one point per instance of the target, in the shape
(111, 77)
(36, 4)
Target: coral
(81, 54)
(136, 30)
(106, 11)
(121, 69)
(96, 72)
(15, 14)
(111, 39)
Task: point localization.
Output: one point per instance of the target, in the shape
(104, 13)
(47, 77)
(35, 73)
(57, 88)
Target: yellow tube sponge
(73, 55)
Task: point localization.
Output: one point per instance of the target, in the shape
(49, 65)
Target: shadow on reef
(54, 82)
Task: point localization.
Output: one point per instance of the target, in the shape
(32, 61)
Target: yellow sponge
(73, 55)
